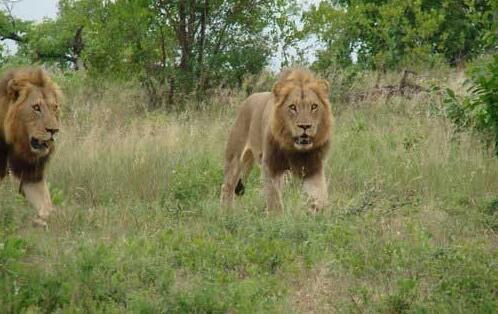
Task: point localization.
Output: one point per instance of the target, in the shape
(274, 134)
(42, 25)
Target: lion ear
(324, 86)
(277, 89)
(41, 77)
(13, 89)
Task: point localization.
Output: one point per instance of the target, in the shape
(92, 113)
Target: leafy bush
(479, 110)
(390, 33)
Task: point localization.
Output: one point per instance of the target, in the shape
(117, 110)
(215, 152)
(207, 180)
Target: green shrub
(478, 110)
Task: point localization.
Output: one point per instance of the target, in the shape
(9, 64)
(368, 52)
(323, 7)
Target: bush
(478, 110)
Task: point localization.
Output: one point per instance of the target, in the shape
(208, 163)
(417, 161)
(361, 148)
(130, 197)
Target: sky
(34, 10)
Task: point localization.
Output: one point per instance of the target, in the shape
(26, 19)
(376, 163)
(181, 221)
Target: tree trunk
(171, 90)
(202, 40)
(163, 47)
(77, 48)
(183, 36)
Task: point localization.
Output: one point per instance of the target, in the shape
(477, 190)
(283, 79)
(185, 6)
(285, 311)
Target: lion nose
(304, 126)
(52, 131)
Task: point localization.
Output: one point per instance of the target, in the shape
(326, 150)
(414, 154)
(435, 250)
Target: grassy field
(411, 225)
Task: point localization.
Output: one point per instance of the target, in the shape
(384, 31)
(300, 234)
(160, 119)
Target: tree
(388, 32)
(181, 45)
(222, 38)
(62, 40)
(12, 28)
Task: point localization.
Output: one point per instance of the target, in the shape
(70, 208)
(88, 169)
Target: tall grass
(411, 224)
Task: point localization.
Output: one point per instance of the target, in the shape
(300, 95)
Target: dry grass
(411, 223)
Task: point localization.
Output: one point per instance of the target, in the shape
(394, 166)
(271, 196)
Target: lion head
(32, 116)
(301, 117)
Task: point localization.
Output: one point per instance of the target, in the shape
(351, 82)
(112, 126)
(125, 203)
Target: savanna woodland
(151, 89)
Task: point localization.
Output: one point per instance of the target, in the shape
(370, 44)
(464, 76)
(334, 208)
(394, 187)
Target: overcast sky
(35, 10)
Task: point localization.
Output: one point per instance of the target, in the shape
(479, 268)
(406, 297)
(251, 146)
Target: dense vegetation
(193, 45)
(387, 33)
(479, 109)
(151, 88)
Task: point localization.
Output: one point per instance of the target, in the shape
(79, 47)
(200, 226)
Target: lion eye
(293, 107)
(314, 107)
(37, 108)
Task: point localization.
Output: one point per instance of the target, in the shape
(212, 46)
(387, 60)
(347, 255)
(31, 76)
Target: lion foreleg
(273, 190)
(247, 161)
(315, 188)
(232, 173)
(38, 196)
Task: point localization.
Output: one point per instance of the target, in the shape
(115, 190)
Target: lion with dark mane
(287, 129)
(29, 120)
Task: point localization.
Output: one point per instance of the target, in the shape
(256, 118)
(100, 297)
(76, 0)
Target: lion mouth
(37, 144)
(303, 142)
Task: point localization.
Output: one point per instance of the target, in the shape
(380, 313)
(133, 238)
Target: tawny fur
(267, 131)
(29, 111)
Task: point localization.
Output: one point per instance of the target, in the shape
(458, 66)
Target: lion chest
(301, 164)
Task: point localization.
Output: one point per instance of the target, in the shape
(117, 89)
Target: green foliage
(479, 110)
(170, 46)
(187, 188)
(386, 33)
(103, 45)
(11, 28)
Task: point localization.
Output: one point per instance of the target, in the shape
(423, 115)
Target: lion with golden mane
(29, 120)
(287, 129)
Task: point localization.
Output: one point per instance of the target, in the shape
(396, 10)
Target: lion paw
(40, 223)
(314, 209)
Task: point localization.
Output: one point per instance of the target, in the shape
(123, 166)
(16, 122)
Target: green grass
(411, 225)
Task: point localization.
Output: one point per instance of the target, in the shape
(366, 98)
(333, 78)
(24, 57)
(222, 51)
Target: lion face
(32, 120)
(302, 114)
(301, 118)
(40, 116)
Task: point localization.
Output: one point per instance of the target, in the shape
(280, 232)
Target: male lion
(29, 119)
(287, 129)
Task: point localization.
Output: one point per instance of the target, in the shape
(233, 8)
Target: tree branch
(8, 6)
(14, 37)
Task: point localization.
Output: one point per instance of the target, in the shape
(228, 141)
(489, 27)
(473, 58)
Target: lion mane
(16, 87)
